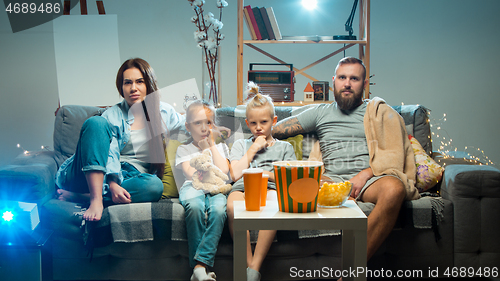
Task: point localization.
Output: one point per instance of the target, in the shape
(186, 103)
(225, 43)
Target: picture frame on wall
(321, 90)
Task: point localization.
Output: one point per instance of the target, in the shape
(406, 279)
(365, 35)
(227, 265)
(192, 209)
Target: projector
(17, 219)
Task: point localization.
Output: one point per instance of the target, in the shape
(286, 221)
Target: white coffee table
(349, 218)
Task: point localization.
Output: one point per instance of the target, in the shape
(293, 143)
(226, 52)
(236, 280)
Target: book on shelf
(274, 23)
(254, 23)
(249, 24)
(260, 23)
(267, 23)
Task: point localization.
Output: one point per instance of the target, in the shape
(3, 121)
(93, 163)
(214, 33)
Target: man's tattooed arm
(288, 127)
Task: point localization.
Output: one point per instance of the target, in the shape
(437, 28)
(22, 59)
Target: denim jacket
(120, 120)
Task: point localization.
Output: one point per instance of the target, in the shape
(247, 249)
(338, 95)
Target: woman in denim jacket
(120, 155)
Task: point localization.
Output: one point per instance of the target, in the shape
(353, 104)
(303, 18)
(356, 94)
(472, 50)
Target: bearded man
(365, 142)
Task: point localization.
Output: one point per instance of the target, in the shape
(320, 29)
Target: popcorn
(334, 194)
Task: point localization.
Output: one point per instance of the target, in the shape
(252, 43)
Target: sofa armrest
(475, 193)
(453, 158)
(29, 178)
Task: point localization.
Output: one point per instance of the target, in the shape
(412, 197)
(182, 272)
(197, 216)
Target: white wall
(441, 54)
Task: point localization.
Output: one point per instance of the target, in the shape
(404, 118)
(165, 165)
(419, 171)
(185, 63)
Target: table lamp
(348, 25)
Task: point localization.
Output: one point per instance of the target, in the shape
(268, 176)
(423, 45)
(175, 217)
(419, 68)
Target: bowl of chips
(333, 193)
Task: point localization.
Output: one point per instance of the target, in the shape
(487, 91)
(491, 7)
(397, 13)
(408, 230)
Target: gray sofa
(459, 228)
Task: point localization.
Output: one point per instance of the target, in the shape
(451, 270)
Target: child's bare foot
(65, 195)
(94, 212)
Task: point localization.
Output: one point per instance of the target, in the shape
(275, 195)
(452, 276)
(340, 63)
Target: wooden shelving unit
(363, 44)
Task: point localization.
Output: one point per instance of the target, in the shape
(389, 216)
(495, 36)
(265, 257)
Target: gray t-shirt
(342, 138)
(280, 151)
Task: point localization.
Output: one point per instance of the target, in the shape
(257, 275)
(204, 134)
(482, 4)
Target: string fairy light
(26, 152)
(473, 155)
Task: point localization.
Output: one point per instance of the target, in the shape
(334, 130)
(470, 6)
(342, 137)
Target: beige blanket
(390, 149)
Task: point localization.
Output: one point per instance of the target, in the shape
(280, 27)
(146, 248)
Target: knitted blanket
(388, 145)
(423, 213)
(164, 220)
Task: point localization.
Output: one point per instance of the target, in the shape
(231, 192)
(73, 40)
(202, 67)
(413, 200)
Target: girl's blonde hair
(196, 104)
(259, 100)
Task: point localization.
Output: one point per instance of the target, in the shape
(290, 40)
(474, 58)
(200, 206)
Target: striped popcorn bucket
(297, 185)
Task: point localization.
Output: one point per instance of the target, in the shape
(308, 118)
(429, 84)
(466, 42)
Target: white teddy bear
(208, 176)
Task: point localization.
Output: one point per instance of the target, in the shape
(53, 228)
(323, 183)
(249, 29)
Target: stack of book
(262, 23)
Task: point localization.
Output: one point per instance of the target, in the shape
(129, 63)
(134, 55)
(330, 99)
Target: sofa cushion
(429, 173)
(169, 183)
(416, 118)
(296, 142)
(67, 126)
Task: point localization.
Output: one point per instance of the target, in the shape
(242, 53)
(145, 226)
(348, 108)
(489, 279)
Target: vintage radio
(279, 85)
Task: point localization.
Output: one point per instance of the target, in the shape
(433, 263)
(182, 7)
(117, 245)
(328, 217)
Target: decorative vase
(211, 77)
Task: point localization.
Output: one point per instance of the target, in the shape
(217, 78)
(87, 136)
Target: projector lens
(7, 216)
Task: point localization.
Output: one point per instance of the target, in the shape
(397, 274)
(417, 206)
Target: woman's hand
(219, 129)
(118, 194)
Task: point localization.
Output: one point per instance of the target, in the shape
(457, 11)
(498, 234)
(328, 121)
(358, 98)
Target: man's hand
(118, 194)
(359, 180)
(357, 185)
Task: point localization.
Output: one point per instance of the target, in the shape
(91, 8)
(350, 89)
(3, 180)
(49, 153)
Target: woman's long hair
(151, 107)
(147, 73)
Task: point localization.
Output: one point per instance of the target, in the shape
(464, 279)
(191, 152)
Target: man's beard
(348, 103)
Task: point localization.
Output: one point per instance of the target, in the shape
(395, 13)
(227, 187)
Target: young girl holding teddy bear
(204, 234)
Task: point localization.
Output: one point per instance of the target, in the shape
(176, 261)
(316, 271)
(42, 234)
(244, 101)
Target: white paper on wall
(87, 59)
(175, 94)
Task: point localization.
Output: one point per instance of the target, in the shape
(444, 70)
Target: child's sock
(252, 274)
(200, 274)
(212, 274)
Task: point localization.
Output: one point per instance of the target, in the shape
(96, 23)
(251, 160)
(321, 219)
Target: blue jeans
(203, 231)
(92, 155)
